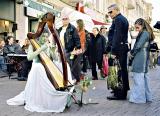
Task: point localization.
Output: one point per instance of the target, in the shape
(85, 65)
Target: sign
(35, 9)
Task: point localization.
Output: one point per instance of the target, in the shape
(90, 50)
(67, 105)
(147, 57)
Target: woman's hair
(7, 39)
(80, 24)
(96, 28)
(145, 26)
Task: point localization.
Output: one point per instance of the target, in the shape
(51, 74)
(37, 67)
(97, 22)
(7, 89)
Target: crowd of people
(85, 50)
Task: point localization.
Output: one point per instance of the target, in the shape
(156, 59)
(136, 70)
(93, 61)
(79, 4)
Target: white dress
(39, 94)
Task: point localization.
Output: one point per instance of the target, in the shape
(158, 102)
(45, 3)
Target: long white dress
(39, 94)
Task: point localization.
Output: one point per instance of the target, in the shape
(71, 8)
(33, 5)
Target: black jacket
(120, 36)
(96, 47)
(110, 38)
(14, 48)
(71, 38)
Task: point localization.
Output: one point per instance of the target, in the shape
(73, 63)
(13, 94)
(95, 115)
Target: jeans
(140, 92)
(2, 64)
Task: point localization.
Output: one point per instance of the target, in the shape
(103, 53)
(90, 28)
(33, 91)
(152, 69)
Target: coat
(140, 52)
(71, 38)
(96, 48)
(120, 36)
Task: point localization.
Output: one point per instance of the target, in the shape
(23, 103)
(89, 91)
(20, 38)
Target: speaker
(14, 28)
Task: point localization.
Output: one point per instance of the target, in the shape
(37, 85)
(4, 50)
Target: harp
(58, 79)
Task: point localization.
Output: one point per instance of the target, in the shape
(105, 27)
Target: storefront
(34, 10)
(28, 14)
(7, 17)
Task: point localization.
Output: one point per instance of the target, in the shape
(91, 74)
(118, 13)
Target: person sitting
(39, 94)
(21, 65)
(3, 66)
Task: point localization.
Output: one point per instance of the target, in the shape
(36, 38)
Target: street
(97, 93)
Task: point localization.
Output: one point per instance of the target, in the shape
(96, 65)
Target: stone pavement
(97, 93)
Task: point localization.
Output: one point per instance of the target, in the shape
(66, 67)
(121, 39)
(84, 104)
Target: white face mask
(134, 34)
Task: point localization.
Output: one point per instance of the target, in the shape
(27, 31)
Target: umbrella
(157, 25)
(74, 16)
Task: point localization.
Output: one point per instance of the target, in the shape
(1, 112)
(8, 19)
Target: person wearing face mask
(118, 43)
(96, 50)
(140, 91)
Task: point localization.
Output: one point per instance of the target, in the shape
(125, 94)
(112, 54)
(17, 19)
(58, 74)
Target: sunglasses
(64, 18)
(110, 12)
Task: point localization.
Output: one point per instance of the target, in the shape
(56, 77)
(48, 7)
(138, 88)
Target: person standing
(153, 54)
(119, 48)
(141, 92)
(96, 50)
(103, 31)
(71, 43)
(82, 35)
(3, 66)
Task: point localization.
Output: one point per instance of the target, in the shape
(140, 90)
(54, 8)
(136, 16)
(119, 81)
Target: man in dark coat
(119, 48)
(70, 41)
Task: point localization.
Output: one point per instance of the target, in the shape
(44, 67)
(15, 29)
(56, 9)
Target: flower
(85, 83)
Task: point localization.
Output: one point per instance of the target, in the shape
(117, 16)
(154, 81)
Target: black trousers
(122, 57)
(84, 63)
(94, 71)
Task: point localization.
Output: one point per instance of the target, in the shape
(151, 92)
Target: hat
(103, 27)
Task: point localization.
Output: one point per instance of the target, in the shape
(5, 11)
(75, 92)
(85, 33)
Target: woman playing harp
(39, 94)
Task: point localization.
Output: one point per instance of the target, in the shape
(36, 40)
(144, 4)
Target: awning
(80, 7)
(74, 16)
(98, 23)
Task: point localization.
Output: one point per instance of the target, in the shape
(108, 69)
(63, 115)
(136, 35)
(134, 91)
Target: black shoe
(112, 91)
(22, 79)
(94, 78)
(115, 98)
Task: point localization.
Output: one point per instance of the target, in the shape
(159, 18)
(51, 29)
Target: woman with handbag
(140, 91)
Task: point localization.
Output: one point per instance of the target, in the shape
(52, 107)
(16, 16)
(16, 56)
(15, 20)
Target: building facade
(22, 15)
(7, 17)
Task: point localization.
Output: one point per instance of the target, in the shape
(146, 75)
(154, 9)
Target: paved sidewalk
(97, 93)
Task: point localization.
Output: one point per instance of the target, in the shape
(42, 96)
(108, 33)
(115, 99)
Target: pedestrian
(141, 92)
(103, 31)
(119, 48)
(153, 54)
(96, 50)
(82, 35)
(71, 43)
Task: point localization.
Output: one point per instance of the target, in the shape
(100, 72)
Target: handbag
(105, 67)
(114, 80)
